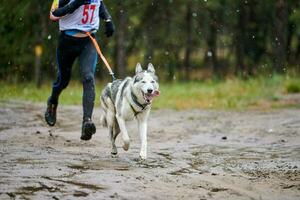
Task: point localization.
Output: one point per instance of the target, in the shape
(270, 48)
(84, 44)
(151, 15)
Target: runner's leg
(87, 62)
(65, 57)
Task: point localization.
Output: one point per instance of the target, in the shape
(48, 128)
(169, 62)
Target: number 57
(86, 13)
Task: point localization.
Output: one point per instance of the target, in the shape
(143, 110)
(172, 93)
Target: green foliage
(256, 93)
(293, 86)
(24, 24)
(226, 37)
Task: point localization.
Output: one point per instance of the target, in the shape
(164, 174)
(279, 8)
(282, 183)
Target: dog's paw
(143, 156)
(126, 146)
(114, 152)
(114, 155)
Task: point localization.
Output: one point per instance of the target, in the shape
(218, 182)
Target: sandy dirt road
(193, 154)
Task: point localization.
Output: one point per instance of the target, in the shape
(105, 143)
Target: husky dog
(127, 99)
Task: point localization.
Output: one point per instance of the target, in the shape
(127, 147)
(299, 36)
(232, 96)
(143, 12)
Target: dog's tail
(103, 112)
(117, 127)
(103, 121)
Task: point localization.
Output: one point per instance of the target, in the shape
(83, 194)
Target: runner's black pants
(69, 48)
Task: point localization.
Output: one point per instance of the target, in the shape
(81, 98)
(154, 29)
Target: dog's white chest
(127, 112)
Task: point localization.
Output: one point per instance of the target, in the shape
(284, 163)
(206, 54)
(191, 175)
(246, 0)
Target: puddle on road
(165, 155)
(150, 163)
(80, 194)
(31, 190)
(180, 172)
(100, 165)
(218, 189)
(3, 128)
(27, 191)
(121, 165)
(25, 161)
(79, 184)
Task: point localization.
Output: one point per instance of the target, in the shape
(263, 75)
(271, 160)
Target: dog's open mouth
(149, 96)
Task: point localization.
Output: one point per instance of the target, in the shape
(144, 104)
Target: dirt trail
(193, 154)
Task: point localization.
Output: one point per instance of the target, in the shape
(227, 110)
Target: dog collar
(134, 111)
(136, 102)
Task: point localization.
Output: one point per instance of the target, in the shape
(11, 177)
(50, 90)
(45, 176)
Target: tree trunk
(280, 26)
(212, 45)
(290, 33)
(149, 41)
(188, 45)
(38, 58)
(171, 52)
(240, 69)
(297, 55)
(120, 40)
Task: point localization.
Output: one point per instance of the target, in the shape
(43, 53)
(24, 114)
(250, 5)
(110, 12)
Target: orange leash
(101, 55)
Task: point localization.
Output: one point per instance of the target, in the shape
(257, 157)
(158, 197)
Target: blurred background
(186, 40)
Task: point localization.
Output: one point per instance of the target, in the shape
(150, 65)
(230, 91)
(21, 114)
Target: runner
(76, 17)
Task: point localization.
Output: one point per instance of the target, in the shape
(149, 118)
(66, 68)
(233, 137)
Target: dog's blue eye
(152, 81)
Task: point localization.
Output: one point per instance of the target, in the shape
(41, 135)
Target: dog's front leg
(124, 132)
(143, 137)
(142, 123)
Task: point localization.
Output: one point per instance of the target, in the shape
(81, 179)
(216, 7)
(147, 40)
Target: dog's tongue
(149, 97)
(156, 93)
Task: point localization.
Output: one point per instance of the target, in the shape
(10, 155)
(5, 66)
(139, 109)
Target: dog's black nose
(149, 91)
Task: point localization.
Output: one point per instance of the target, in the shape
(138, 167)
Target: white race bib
(84, 18)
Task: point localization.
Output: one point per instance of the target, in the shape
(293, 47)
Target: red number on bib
(92, 7)
(86, 12)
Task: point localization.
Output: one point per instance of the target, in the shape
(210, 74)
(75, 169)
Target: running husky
(127, 99)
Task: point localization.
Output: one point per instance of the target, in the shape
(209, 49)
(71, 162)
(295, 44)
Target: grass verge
(260, 93)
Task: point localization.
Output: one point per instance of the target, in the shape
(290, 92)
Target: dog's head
(145, 82)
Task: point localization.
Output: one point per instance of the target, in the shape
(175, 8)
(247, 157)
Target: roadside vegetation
(255, 93)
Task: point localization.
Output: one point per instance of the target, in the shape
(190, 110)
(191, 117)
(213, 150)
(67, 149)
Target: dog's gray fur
(127, 99)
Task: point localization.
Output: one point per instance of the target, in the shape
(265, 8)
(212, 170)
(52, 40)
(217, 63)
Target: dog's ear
(138, 68)
(151, 68)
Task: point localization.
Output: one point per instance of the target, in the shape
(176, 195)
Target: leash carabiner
(101, 55)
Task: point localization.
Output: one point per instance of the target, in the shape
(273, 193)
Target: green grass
(293, 86)
(262, 93)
